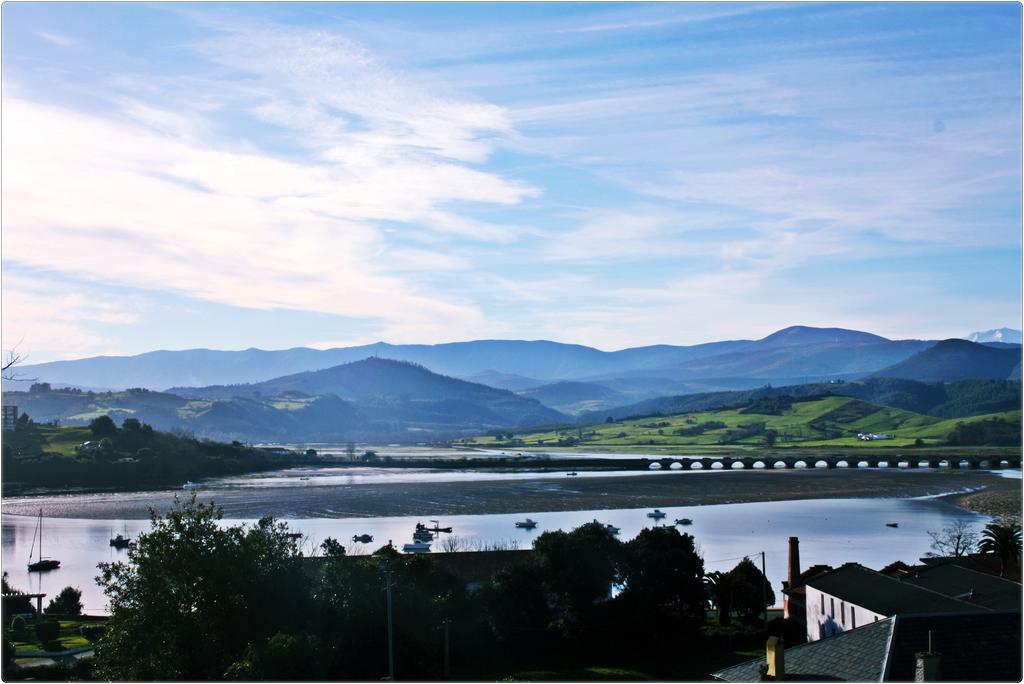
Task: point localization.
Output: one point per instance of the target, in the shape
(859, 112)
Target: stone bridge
(845, 461)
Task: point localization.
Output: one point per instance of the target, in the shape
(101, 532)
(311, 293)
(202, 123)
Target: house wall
(829, 615)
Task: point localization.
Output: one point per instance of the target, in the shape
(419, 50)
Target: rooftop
(972, 647)
(885, 595)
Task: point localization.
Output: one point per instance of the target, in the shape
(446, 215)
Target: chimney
(794, 560)
(776, 659)
(928, 667)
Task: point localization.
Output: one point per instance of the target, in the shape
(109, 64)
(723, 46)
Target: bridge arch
(696, 465)
(821, 463)
(676, 465)
(842, 463)
(738, 465)
(717, 465)
(863, 464)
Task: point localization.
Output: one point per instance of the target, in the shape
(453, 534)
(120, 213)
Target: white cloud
(56, 38)
(145, 197)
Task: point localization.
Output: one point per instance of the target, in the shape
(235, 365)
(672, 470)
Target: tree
(748, 599)
(67, 602)
(194, 595)
(957, 540)
(1003, 539)
(770, 436)
(740, 591)
(580, 566)
(664, 571)
(102, 426)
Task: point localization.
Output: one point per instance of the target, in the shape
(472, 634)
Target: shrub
(48, 630)
(93, 632)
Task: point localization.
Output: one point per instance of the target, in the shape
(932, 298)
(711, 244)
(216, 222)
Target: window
(853, 618)
(832, 608)
(842, 612)
(822, 604)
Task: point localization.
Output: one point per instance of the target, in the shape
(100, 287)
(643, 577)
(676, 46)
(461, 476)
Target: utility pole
(764, 592)
(447, 661)
(385, 567)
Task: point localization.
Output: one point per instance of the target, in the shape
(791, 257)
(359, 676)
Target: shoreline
(978, 491)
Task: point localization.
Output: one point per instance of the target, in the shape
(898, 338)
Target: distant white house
(869, 436)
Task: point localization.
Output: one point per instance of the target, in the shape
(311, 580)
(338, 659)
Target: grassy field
(827, 422)
(63, 440)
(70, 637)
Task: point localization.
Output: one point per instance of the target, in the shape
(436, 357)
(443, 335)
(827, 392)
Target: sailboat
(121, 541)
(43, 564)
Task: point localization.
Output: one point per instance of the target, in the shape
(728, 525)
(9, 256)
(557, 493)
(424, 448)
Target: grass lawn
(827, 422)
(63, 440)
(70, 637)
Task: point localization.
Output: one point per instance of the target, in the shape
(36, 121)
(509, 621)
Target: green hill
(774, 421)
(957, 360)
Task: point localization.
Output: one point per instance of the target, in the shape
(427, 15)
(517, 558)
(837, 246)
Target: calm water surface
(830, 531)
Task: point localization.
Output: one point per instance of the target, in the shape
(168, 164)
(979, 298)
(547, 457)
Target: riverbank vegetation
(200, 601)
(105, 456)
(777, 422)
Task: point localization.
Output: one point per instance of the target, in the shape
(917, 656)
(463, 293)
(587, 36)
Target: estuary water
(832, 531)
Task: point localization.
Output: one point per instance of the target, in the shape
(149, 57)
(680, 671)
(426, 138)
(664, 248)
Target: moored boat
(417, 547)
(526, 524)
(656, 514)
(683, 521)
(362, 538)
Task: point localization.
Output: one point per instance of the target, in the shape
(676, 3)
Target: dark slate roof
(982, 562)
(969, 585)
(981, 647)
(854, 656)
(884, 595)
(972, 647)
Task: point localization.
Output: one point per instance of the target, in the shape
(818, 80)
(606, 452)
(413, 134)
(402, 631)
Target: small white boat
(656, 514)
(611, 528)
(526, 524)
(190, 485)
(416, 547)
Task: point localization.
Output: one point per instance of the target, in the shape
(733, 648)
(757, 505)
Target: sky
(278, 175)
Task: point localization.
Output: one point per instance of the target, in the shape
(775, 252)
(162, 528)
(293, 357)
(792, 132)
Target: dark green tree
(580, 566)
(102, 426)
(194, 595)
(664, 571)
(67, 602)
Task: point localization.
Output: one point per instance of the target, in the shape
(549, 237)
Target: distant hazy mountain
(957, 360)
(509, 381)
(575, 397)
(796, 352)
(1008, 335)
(373, 399)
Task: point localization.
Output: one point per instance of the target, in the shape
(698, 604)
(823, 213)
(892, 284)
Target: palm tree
(1004, 540)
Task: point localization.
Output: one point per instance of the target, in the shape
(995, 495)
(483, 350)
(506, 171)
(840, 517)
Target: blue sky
(278, 175)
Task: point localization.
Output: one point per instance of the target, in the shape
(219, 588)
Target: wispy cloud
(56, 38)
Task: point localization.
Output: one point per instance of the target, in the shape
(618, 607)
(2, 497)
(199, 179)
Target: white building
(852, 596)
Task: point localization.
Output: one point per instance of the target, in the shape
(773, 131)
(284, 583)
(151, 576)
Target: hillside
(779, 422)
(382, 400)
(575, 397)
(945, 400)
(957, 360)
(133, 455)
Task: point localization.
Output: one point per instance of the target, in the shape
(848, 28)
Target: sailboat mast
(40, 534)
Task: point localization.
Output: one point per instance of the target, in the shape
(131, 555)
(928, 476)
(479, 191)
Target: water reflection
(830, 531)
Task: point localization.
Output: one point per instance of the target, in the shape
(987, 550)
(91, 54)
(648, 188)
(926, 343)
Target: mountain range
(795, 354)
(439, 391)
